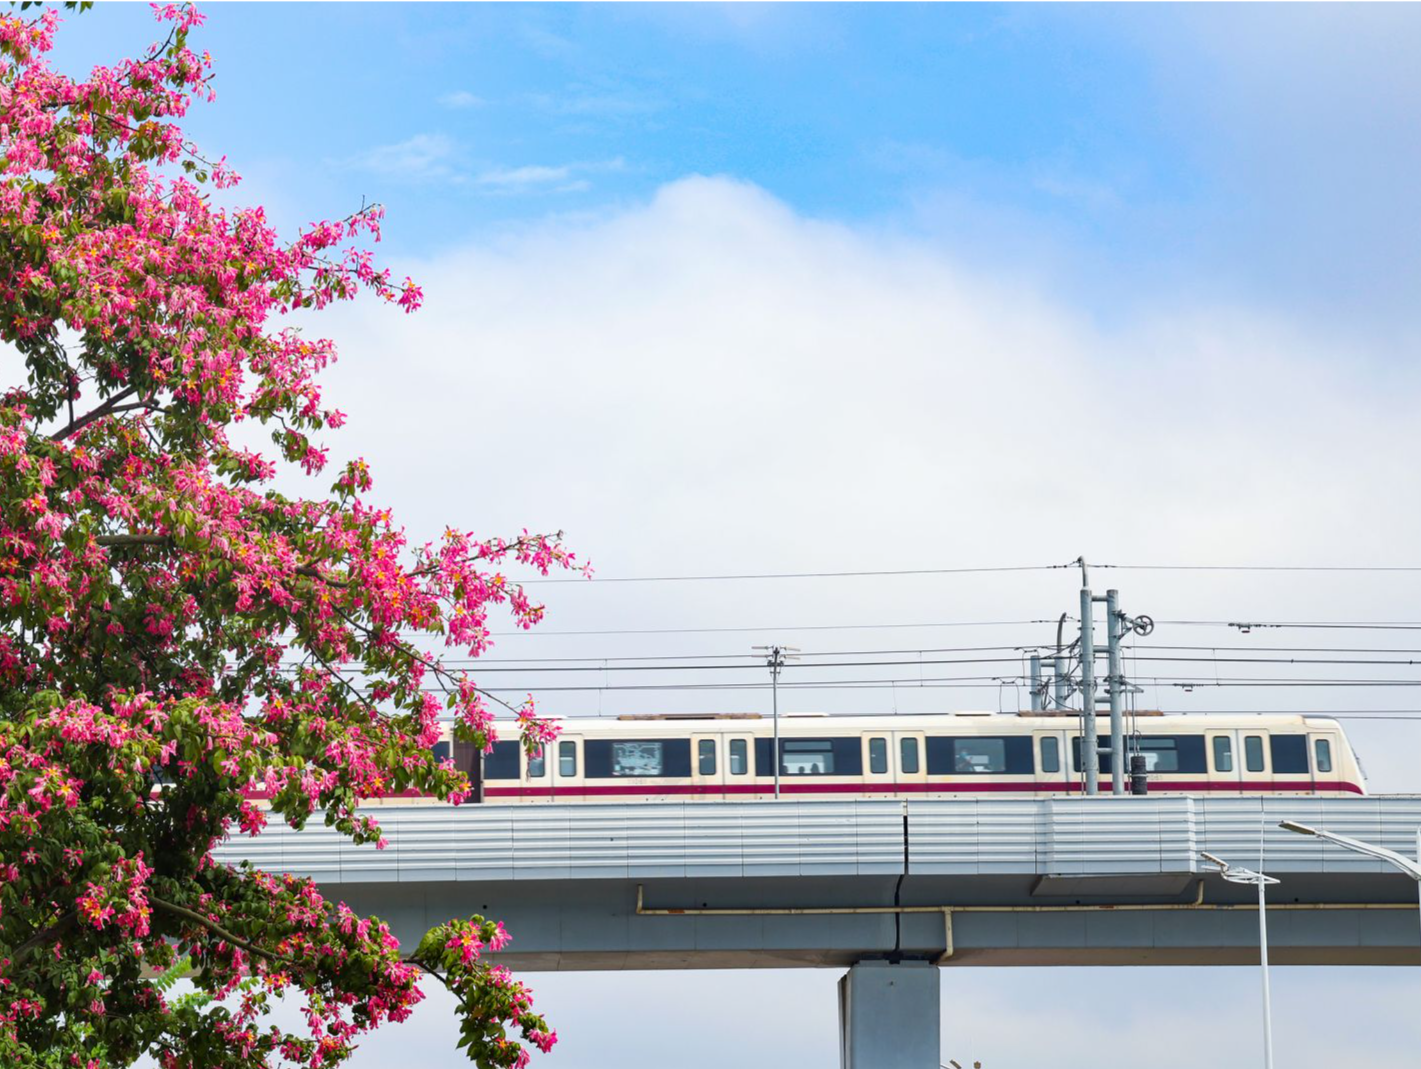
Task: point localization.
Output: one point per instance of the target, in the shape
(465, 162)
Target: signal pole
(775, 660)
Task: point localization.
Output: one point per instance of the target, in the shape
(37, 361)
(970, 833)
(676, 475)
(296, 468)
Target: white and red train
(714, 758)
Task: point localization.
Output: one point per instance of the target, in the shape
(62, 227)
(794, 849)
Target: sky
(765, 289)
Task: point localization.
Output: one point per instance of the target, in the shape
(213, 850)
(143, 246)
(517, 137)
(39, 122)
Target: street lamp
(1381, 853)
(1258, 879)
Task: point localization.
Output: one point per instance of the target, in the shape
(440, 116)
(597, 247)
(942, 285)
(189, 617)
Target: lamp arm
(1381, 853)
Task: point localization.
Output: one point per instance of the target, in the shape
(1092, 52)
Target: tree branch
(218, 930)
(109, 541)
(311, 572)
(54, 931)
(105, 409)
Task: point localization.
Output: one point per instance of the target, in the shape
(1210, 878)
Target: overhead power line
(976, 682)
(749, 664)
(806, 575)
(984, 570)
(540, 633)
(1137, 650)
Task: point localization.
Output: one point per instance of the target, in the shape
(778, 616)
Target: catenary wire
(804, 575)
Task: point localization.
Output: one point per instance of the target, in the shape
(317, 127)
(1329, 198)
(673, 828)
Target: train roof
(1150, 721)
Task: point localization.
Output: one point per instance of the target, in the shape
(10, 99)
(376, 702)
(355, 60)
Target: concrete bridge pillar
(890, 1016)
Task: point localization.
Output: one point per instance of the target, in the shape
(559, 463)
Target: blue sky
(791, 288)
(1129, 154)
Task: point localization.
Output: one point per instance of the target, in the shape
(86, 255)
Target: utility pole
(1038, 689)
(775, 657)
(1115, 688)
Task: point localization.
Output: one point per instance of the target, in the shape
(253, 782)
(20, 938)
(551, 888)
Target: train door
(909, 750)
(1255, 766)
(1053, 775)
(739, 775)
(706, 760)
(566, 767)
(1226, 761)
(877, 763)
(536, 781)
(1326, 755)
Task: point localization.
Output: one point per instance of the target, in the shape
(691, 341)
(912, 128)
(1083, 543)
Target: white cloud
(584, 101)
(424, 157)
(531, 175)
(460, 100)
(433, 158)
(539, 178)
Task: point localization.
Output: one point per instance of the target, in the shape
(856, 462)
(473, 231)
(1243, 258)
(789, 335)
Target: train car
(730, 757)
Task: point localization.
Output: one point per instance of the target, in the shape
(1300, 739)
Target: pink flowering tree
(185, 651)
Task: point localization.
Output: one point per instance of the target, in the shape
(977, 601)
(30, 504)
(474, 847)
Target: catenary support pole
(1090, 744)
(1059, 682)
(776, 663)
(890, 1016)
(1116, 691)
(1037, 690)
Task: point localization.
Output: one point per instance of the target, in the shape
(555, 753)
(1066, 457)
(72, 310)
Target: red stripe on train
(623, 790)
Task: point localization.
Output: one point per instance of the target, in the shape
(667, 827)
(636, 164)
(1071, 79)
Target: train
(727, 757)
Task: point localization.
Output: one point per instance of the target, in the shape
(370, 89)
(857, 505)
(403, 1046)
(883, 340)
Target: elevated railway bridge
(891, 890)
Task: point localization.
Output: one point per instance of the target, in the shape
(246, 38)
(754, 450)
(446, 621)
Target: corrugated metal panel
(971, 836)
(1064, 836)
(1105, 836)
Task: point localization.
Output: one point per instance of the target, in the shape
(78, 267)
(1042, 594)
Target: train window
(980, 755)
(1223, 753)
(739, 757)
(806, 757)
(441, 751)
(1050, 754)
(567, 758)
(1162, 753)
(705, 757)
(502, 761)
(820, 757)
(1253, 753)
(1322, 750)
(877, 756)
(1290, 754)
(538, 763)
(637, 758)
(1171, 753)
(908, 756)
(606, 759)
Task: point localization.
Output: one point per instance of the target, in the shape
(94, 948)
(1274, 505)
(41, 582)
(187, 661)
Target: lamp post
(1258, 879)
(1381, 853)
